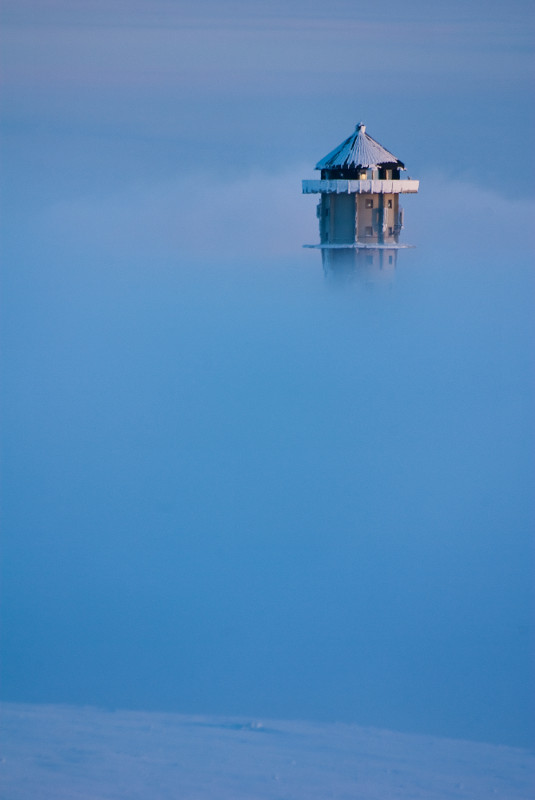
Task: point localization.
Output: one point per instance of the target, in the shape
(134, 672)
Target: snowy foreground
(65, 752)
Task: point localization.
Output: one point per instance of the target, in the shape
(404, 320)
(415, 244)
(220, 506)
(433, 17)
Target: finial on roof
(360, 127)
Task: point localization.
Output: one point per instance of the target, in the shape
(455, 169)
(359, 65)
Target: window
(369, 231)
(369, 203)
(390, 231)
(389, 204)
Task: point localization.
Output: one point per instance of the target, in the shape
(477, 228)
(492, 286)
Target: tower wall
(368, 218)
(374, 265)
(337, 218)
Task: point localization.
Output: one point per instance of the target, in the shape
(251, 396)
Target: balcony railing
(360, 187)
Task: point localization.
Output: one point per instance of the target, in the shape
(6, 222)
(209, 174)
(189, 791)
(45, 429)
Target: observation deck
(339, 186)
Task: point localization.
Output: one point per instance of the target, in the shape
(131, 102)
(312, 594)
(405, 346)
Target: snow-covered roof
(359, 150)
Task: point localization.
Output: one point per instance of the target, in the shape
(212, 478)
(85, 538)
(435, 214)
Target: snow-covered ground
(81, 753)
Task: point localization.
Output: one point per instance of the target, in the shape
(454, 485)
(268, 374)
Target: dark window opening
(369, 231)
(369, 203)
(389, 204)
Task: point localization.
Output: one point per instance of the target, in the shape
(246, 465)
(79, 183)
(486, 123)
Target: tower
(359, 200)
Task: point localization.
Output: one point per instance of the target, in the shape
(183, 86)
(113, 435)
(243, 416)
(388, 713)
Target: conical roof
(359, 150)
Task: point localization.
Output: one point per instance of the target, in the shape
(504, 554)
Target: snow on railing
(360, 187)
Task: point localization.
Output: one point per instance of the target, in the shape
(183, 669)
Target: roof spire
(359, 151)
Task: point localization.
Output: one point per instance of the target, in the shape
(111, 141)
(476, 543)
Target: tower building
(359, 193)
